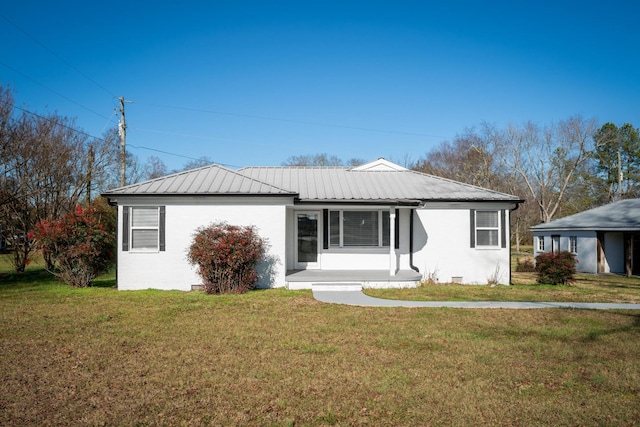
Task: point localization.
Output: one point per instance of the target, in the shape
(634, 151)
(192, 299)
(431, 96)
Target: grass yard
(101, 357)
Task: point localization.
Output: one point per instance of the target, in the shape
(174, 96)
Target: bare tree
(313, 160)
(547, 160)
(469, 158)
(198, 163)
(155, 168)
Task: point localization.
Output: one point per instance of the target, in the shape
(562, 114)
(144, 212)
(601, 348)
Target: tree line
(48, 167)
(557, 169)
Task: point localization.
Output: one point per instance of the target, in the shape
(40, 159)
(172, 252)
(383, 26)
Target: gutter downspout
(413, 267)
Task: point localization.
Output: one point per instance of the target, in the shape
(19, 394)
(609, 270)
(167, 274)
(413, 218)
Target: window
(359, 228)
(540, 243)
(487, 228)
(143, 228)
(573, 244)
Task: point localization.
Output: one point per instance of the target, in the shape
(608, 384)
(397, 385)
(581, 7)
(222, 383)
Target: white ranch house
(605, 239)
(375, 225)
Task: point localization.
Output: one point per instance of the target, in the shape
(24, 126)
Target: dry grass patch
(102, 357)
(586, 288)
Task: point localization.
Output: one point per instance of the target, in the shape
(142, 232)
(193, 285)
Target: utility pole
(122, 131)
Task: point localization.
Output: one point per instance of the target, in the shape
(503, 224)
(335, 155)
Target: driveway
(357, 297)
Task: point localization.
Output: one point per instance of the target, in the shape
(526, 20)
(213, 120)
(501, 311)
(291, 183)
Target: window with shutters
(487, 226)
(145, 228)
(349, 228)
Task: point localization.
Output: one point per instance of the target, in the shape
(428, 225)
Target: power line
(60, 58)
(294, 121)
(56, 122)
(55, 92)
(178, 155)
(102, 139)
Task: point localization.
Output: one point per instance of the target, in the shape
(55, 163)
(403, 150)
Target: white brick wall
(170, 269)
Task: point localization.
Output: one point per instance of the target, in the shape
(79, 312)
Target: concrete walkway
(357, 297)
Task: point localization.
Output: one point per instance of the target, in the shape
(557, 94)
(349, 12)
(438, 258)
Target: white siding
(171, 270)
(442, 246)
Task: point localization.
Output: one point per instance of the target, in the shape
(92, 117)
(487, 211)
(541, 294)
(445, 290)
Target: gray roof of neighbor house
(619, 216)
(316, 184)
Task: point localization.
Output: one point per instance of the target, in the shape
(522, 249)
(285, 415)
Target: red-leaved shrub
(226, 256)
(80, 244)
(555, 268)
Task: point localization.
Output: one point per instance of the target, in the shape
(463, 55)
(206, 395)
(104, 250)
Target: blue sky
(254, 82)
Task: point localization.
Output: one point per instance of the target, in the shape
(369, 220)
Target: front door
(307, 224)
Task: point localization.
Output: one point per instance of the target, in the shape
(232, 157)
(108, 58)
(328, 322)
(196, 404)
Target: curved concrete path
(353, 297)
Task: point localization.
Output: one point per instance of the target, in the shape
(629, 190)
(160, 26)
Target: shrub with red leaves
(555, 268)
(226, 256)
(81, 243)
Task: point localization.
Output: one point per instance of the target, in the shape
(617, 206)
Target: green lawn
(98, 356)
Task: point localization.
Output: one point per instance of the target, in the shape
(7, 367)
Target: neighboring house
(605, 239)
(377, 225)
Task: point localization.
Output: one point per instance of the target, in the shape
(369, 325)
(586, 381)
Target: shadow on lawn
(594, 334)
(29, 277)
(41, 276)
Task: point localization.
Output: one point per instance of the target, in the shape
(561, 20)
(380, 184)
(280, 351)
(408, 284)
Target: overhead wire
(55, 92)
(103, 140)
(68, 64)
(60, 58)
(199, 110)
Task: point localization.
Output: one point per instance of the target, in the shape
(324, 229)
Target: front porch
(350, 279)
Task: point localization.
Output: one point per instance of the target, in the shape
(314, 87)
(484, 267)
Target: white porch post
(392, 241)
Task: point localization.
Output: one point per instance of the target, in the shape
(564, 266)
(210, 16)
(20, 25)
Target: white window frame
(133, 228)
(496, 228)
(380, 232)
(573, 244)
(540, 243)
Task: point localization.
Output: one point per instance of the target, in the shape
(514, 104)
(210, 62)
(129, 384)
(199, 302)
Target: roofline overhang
(595, 229)
(385, 202)
(111, 196)
(399, 202)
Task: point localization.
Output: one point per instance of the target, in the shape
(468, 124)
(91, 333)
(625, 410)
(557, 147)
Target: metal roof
(619, 216)
(344, 184)
(208, 180)
(315, 184)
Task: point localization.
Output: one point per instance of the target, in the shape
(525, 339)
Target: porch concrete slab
(358, 298)
(318, 276)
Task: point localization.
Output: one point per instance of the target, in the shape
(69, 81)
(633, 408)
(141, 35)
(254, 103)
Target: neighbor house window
(359, 228)
(487, 228)
(540, 243)
(143, 228)
(573, 244)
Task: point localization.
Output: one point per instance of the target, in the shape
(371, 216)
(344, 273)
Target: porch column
(392, 241)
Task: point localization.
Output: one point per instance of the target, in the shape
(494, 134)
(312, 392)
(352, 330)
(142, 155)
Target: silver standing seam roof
(315, 184)
(207, 180)
(619, 216)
